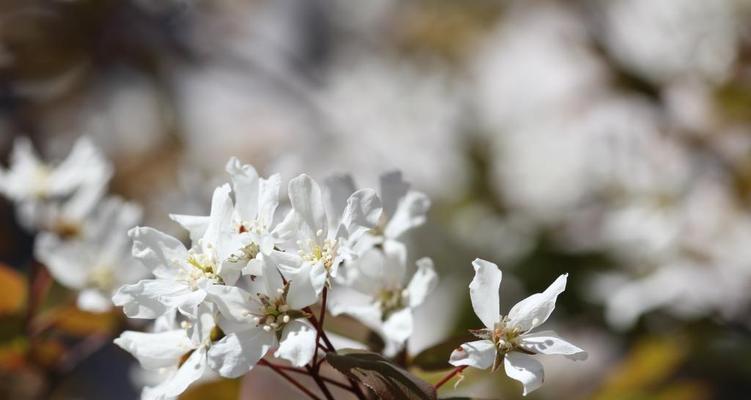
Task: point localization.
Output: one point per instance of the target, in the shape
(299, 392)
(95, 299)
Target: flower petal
(64, 259)
(298, 343)
(156, 350)
(393, 188)
(93, 300)
(338, 189)
(196, 225)
(189, 372)
(142, 299)
(237, 353)
(232, 302)
(220, 218)
(159, 252)
(478, 354)
(397, 328)
(305, 196)
(423, 282)
(484, 292)
(410, 213)
(245, 186)
(535, 309)
(524, 369)
(548, 342)
(362, 212)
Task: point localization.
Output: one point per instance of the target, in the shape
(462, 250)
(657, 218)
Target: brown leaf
(13, 291)
(380, 375)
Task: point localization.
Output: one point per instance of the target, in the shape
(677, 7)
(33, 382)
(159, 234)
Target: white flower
(324, 238)
(182, 275)
(96, 261)
(403, 209)
(181, 353)
(508, 339)
(380, 297)
(255, 202)
(55, 197)
(268, 313)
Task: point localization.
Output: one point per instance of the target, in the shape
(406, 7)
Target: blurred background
(607, 139)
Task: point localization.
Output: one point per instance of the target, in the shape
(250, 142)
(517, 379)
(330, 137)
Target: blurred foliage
(225, 389)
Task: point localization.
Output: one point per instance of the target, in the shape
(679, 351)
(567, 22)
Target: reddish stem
(289, 379)
(450, 375)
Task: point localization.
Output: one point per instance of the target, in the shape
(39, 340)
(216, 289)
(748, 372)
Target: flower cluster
(79, 228)
(245, 285)
(249, 283)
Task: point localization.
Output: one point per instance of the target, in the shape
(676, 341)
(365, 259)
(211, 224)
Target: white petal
(478, 354)
(483, 291)
(298, 343)
(142, 299)
(302, 292)
(362, 212)
(338, 189)
(305, 196)
(423, 282)
(535, 309)
(189, 372)
(548, 342)
(159, 252)
(410, 213)
(194, 224)
(220, 218)
(93, 300)
(524, 369)
(393, 189)
(394, 264)
(235, 354)
(65, 260)
(268, 198)
(397, 328)
(245, 185)
(232, 302)
(156, 350)
(84, 165)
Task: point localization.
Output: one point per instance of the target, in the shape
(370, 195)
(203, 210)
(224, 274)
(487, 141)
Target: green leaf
(381, 376)
(436, 357)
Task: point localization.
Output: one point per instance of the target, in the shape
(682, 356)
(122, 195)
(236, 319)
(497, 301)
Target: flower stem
(450, 375)
(321, 384)
(289, 379)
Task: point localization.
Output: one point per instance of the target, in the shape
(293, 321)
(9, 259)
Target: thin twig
(289, 379)
(450, 375)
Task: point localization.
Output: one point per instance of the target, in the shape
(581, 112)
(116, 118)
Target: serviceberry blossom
(181, 354)
(380, 297)
(324, 238)
(267, 312)
(403, 209)
(55, 197)
(96, 261)
(182, 275)
(255, 202)
(508, 339)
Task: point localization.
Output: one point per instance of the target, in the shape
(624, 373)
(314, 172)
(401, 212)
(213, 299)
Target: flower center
(204, 267)
(390, 301)
(101, 277)
(325, 252)
(504, 336)
(40, 180)
(275, 313)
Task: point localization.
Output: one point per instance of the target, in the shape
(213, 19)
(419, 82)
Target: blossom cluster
(247, 285)
(79, 226)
